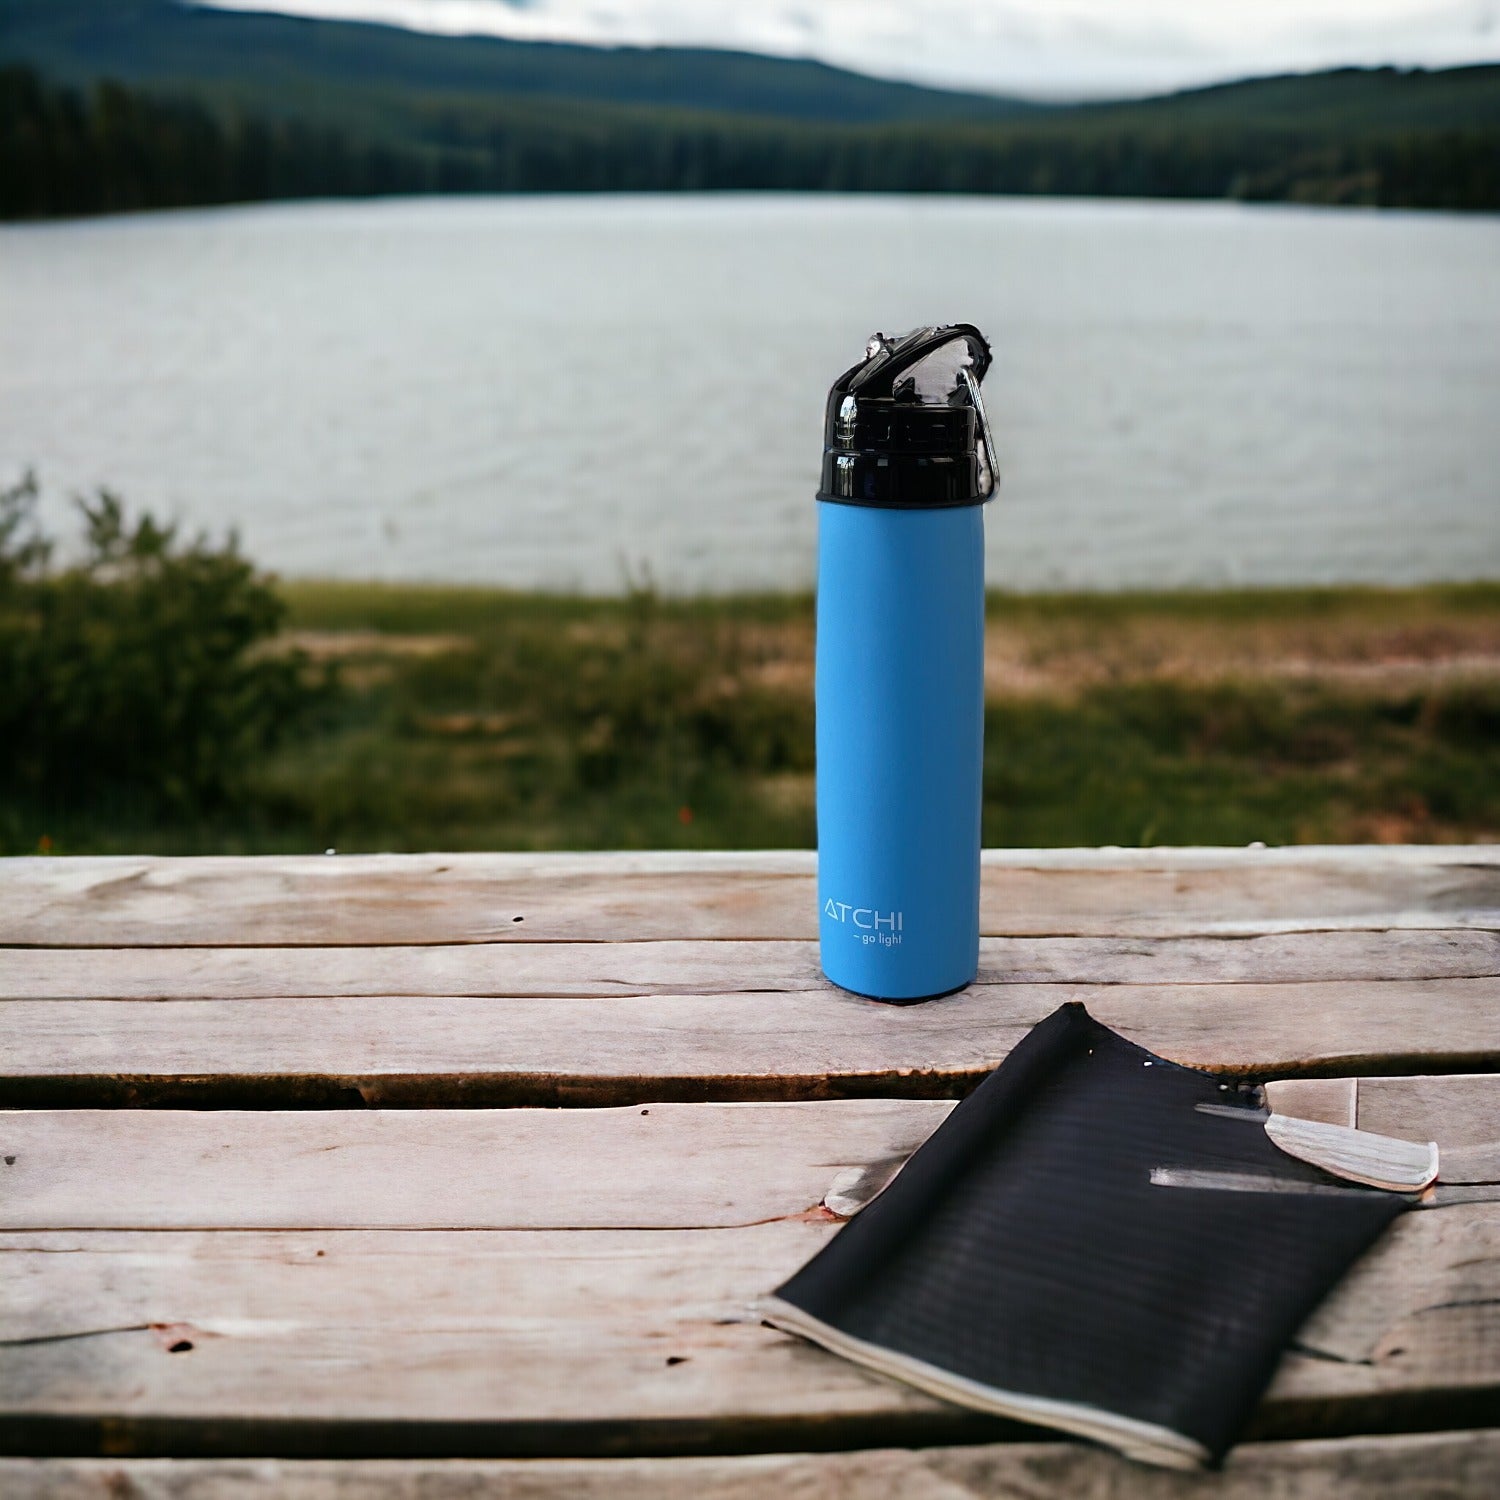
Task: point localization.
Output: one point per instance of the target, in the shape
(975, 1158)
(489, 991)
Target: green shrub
(135, 672)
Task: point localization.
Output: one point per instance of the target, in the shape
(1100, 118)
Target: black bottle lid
(905, 428)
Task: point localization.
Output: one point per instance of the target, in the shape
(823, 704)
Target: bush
(136, 671)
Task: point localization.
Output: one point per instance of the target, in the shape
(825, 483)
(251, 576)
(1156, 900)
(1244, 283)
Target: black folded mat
(1097, 1240)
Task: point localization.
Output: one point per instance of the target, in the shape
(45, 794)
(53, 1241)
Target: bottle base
(922, 999)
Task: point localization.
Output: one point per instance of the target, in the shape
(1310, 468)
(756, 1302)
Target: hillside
(110, 105)
(1345, 100)
(343, 70)
(334, 69)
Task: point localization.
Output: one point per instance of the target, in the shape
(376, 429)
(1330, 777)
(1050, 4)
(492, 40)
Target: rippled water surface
(570, 392)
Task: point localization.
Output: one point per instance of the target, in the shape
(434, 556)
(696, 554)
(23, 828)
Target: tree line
(111, 148)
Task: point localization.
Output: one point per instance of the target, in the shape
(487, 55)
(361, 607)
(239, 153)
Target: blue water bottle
(907, 466)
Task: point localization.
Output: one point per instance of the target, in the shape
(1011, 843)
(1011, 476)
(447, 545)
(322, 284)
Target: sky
(1038, 48)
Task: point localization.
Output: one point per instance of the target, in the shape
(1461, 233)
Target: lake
(577, 392)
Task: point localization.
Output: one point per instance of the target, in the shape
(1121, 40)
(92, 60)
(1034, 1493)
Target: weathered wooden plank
(401, 1343)
(1458, 1111)
(661, 1166)
(547, 1339)
(1425, 1466)
(469, 1050)
(1462, 1109)
(729, 966)
(665, 1166)
(423, 899)
(1333, 1100)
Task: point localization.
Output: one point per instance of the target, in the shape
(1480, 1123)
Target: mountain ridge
(117, 104)
(278, 61)
(162, 44)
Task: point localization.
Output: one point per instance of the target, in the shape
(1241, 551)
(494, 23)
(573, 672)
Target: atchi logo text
(873, 925)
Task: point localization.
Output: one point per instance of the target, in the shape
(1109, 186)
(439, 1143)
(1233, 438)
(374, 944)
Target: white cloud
(1035, 47)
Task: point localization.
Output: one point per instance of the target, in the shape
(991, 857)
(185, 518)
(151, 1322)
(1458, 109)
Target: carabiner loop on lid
(991, 466)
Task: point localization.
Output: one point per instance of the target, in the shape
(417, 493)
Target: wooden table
(444, 1176)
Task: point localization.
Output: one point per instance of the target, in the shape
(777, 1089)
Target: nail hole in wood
(180, 1347)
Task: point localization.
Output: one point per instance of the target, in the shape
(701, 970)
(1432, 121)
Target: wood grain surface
(446, 1296)
(402, 1342)
(622, 1285)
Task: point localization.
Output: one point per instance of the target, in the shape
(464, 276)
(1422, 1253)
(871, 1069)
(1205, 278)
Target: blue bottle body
(900, 746)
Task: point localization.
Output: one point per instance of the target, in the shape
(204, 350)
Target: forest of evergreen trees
(111, 148)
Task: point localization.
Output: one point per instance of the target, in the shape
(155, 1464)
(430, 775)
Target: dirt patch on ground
(1037, 657)
(347, 645)
(1063, 656)
(1046, 661)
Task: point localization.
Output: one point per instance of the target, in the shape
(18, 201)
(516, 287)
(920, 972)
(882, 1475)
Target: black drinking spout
(888, 359)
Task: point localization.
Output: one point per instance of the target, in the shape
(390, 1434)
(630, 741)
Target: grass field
(474, 719)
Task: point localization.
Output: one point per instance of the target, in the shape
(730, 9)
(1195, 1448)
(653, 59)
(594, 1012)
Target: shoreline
(1371, 635)
(483, 719)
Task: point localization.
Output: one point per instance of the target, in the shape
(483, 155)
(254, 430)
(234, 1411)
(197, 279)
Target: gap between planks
(1391, 1468)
